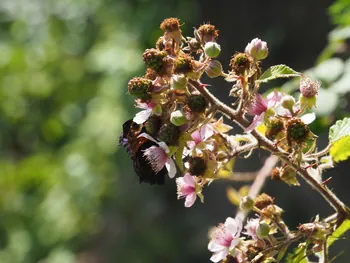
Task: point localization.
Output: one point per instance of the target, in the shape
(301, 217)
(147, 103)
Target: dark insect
(135, 146)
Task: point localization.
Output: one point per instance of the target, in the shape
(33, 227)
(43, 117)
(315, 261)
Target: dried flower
(207, 33)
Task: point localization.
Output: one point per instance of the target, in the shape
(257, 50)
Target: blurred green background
(67, 191)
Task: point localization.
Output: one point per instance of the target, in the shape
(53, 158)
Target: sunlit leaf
(278, 71)
(298, 255)
(339, 232)
(339, 136)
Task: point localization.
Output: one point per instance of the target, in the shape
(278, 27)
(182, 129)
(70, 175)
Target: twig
(259, 182)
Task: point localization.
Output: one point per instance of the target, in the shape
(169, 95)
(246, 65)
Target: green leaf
(340, 129)
(340, 231)
(340, 150)
(339, 137)
(278, 71)
(298, 255)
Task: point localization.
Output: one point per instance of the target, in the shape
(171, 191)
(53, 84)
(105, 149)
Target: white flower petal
(231, 225)
(308, 118)
(216, 257)
(147, 137)
(142, 116)
(170, 166)
(190, 199)
(215, 247)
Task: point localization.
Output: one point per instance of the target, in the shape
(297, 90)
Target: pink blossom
(201, 135)
(251, 227)
(186, 188)
(260, 106)
(225, 239)
(143, 115)
(158, 157)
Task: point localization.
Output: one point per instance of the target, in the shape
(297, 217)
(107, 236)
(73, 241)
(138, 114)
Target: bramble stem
(332, 199)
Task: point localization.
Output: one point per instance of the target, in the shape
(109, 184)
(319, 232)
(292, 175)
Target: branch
(259, 182)
(332, 199)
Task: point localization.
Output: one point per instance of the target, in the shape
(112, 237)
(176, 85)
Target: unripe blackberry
(140, 88)
(207, 33)
(196, 103)
(263, 200)
(297, 131)
(240, 63)
(183, 65)
(169, 133)
(154, 59)
(152, 125)
(197, 166)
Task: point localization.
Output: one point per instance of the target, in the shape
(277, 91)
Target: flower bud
(247, 203)
(140, 88)
(178, 82)
(257, 49)
(212, 49)
(240, 63)
(288, 102)
(169, 133)
(155, 59)
(197, 166)
(196, 103)
(177, 118)
(214, 69)
(263, 230)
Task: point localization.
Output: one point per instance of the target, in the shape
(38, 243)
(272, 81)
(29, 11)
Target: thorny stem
(320, 153)
(332, 199)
